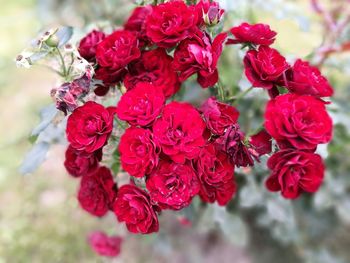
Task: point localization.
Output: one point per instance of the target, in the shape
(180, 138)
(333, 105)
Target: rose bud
(87, 46)
(210, 12)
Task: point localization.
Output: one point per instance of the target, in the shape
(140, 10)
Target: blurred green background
(40, 220)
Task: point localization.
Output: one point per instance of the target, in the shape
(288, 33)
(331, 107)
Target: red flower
(298, 121)
(109, 77)
(218, 116)
(232, 142)
(103, 245)
(117, 50)
(257, 34)
(179, 131)
(89, 127)
(87, 46)
(171, 22)
(137, 22)
(294, 172)
(154, 67)
(261, 143)
(133, 206)
(138, 152)
(97, 192)
(198, 55)
(264, 67)
(141, 105)
(308, 80)
(216, 174)
(173, 185)
(80, 163)
(209, 12)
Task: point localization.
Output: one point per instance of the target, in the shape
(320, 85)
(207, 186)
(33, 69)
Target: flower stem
(62, 61)
(240, 95)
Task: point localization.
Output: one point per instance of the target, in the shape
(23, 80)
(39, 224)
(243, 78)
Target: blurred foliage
(40, 220)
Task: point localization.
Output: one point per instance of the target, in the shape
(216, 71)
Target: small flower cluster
(172, 150)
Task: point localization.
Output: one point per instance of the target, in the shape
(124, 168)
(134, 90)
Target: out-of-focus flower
(103, 245)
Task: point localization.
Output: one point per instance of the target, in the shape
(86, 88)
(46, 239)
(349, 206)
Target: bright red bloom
(171, 22)
(209, 13)
(173, 185)
(137, 22)
(103, 245)
(117, 50)
(154, 67)
(218, 116)
(257, 34)
(133, 206)
(294, 172)
(179, 131)
(216, 174)
(80, 163)
(87, 46)
(264, 67)
(305, 79)
(298, 121)
(261, 143)
(97, 192)
(141, 105)
(199, 55)
(138, 152)
(89, 127)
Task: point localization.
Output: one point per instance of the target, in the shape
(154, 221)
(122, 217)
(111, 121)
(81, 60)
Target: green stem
(240, 96)
(62, 61)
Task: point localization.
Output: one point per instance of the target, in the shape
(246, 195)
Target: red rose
(117, 50)
(103, 245)
(218, 116)
(216, 175)
(232, 142)
(257, 34)
(264, 67)
(138, 152)
(179, 131)
(80, 163)
(298, 121)
(87, 46)
(209, 13)
(173, 185)
(261, 143)
(199, 55)
(141, 105)
(109, 77)
(294, 172)
(308, 80)
(97, 192)
(137, 22)
(154, 67)
(133, 206)
(171, 22)
(89, 127)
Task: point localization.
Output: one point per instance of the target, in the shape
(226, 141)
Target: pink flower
(103, 245)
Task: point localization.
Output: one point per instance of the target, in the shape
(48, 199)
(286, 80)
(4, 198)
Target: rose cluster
(171, 150)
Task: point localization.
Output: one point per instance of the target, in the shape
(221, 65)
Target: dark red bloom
(133, 206)
(173, 185)
(199, 55)
(298, 121)
(137, 22)
(109, 77)
(257, 34)
(141, 105)
(233, 143)
(209, 13)
(294, 172)
(154, 67)
(97, 192)
(138, 152)
(87, 46)
(117, 50)
(261, 143)
(218, 116)
(216, 174)
(171, 22)
(179, 131)
(103, 245)
(80, 163)
(305, 79)
(89, 127)
(264, 67)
